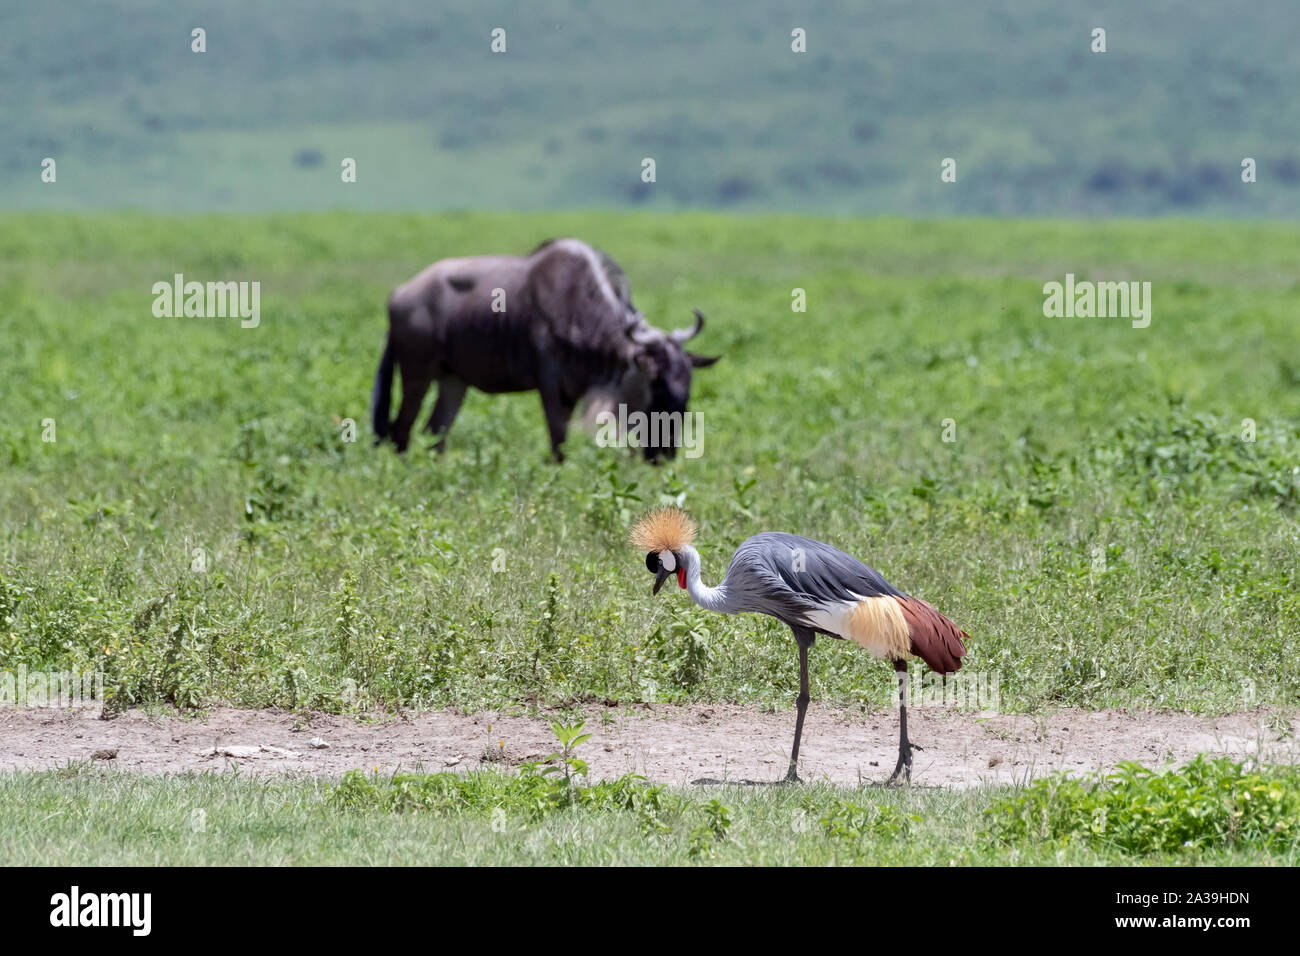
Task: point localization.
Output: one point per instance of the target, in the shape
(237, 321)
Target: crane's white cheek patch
(668, 560)
(877, 623)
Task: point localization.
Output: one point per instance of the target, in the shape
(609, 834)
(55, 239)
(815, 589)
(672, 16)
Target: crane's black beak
(662, 576)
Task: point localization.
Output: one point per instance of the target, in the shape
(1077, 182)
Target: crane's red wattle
(681, 578)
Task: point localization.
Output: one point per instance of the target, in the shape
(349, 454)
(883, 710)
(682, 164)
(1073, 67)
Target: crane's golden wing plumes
(664, 529)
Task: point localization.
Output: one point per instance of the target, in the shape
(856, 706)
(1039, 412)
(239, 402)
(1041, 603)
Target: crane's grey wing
(793, 578)
(818, 571)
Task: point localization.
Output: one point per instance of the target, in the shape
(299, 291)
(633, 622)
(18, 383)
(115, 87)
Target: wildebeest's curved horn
(684, 335)
(643, 333)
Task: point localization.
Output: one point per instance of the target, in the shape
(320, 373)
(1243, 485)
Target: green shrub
(846, 820)
(1208, 804)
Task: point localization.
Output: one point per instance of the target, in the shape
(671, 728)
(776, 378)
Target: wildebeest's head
(661, 378)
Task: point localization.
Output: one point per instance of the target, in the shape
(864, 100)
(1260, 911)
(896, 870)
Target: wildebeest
(559, 320)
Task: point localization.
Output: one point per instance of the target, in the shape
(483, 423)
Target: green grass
(80, 813)
(1099, 526)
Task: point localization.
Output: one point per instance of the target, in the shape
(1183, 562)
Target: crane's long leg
(905, 746)
(805, 640)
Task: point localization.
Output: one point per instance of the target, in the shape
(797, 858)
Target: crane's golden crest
(664, 529)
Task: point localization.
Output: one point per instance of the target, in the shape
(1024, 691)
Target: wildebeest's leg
(558, 411)
(414, 385)
(451, 392)
(381, 395)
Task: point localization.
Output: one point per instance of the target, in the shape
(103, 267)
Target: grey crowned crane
(814, 589)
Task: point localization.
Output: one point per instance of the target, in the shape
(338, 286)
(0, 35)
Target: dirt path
(675, 745)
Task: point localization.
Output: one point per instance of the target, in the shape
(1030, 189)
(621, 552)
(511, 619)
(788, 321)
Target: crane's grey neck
(711, 599)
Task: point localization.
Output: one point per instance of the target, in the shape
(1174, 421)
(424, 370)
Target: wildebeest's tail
(381, 394)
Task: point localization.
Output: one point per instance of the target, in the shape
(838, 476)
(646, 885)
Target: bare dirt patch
(669, 744)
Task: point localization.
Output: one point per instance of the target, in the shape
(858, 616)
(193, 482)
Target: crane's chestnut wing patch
(935, 639)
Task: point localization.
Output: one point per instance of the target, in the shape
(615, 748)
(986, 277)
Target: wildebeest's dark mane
(613, 272)
(617, 279)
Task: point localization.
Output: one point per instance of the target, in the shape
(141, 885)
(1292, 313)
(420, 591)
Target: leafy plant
(1208, 804)
(615, 502)
(710, 831)
(849, 821)
(545, 643)
(565, 761)
(687, 651)
(742, 490)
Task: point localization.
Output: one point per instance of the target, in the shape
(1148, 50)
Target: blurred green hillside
(858, 125)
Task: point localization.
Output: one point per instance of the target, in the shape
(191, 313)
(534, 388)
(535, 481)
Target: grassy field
(1211, 813)
(1099, 526)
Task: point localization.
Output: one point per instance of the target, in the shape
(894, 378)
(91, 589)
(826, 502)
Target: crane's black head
(662, 564)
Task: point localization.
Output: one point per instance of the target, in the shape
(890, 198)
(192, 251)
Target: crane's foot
(791, 776)
(904, 764)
